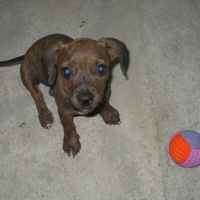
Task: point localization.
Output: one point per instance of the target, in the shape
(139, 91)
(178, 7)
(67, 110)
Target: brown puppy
(77, 73)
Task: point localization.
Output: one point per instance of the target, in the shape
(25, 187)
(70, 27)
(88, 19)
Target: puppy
(77, 73)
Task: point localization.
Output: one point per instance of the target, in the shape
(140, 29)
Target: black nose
(85, 99)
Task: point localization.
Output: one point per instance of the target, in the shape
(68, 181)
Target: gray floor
(161, 96)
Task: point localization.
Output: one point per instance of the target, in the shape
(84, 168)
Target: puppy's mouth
(84, 110)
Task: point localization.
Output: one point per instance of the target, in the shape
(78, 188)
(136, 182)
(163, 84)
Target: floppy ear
(49, 60)
(117, 49)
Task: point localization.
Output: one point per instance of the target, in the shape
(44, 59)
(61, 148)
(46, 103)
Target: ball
(184, 148)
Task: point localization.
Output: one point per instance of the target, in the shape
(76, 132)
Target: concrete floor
(161, 96)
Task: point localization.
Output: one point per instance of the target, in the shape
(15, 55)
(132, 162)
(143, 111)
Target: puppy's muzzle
(85, 99)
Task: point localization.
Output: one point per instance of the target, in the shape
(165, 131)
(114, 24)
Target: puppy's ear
(49, 60)
(117, 49)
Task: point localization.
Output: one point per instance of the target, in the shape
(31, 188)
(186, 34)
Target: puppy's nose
(85, 99)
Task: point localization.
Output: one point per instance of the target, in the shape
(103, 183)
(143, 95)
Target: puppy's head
(83, 70)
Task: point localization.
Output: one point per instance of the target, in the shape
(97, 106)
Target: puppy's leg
(109, 114)
(71, 143)
(31, 83)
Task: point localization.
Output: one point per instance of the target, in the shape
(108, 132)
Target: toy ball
(184, 148)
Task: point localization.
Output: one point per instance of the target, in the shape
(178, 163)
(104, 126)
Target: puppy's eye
(101, 70)
(66, 72)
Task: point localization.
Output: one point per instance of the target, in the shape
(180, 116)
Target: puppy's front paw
(72, 145)
(110, 116)
(46, 118)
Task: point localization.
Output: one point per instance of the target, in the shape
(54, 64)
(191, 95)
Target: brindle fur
(43, 63)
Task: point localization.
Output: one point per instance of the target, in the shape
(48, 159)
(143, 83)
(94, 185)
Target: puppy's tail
(14, 61)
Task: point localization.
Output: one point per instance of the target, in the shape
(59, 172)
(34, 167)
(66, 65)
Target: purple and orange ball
(184, 148)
